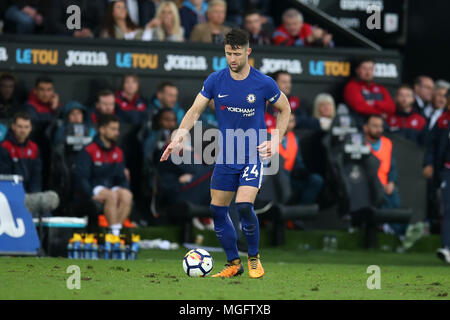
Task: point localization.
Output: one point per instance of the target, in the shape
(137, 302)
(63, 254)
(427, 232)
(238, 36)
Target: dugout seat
(360, 193)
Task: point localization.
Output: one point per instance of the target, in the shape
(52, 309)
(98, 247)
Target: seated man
(192, 12)
(19, 155)
(156, 139)
(99, 174)
(130, 107)
(423, 93)
(406, 121)
(253, 22)
(364, 96)
(213, 30)
(303, 120)
(8, 101)
(43, 103)
(381, 148)
(104, 105)
(166, 97)
(293, 32)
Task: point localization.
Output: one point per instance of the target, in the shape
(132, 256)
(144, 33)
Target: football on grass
(197, 263)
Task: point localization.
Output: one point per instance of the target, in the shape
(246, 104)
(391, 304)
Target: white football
(197, 263)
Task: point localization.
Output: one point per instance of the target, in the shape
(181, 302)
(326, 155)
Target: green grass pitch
(290, 274)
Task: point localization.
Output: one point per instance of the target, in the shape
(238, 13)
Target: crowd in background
(75, 145)
(156, 20)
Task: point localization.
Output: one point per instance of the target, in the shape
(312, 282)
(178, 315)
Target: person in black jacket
(91, 16)
(99, 174)
(437, 167)
(20, 156)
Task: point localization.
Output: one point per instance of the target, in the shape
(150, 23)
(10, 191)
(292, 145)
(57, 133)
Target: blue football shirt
(240, 106)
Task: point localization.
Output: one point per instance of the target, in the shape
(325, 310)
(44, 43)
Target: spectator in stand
(294, 32)
(43, 102)
(8, 101)
(437, 168)
(69, 135)
(364, 96)
(406, 121)
(130, 106)
(324, 110)
(141, 11)
(99, 174)
(423, 92)
(117, 24)
(20, 156)
(24, 16)
(166, 26)
(166, 97)
(438, 104)
(263, 7)
(105, 105)
(91, 15)
(155, 140)
(75, 123)
(253, 24)
(381, 148)
(192, 12)
(214, 30)
(304, 121)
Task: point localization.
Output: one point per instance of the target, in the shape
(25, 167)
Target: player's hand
(267, 149)
(170, 148)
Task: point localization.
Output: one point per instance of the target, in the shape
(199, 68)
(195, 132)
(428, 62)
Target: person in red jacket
(406, 121)
(364, 96)
(293, 32)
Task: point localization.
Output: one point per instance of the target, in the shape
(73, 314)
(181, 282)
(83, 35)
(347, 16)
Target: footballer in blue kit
(240, 94)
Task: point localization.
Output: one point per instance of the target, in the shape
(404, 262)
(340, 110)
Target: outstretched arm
(189, 119)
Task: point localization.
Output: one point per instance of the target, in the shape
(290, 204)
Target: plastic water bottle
(95, 250)
(70, 250)
(326, 243)
(76, 249)
(333, 243)
(88, 251)
(133, 251)
(107, 250)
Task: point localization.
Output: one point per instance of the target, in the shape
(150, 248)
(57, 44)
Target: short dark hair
(106, 119)
(7, 76)
(21, 115)
(130, 75)
(104, 93)
(404, 86)
(418, 79)
(163, 84)
(43, 79)
(378, 116)
(277, 74)
(360, 60)
(251, 11)
(237, 38)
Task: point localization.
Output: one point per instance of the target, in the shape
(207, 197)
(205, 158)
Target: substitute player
(240, 93)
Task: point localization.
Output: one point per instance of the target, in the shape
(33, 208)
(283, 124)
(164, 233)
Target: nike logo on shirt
(220, 96)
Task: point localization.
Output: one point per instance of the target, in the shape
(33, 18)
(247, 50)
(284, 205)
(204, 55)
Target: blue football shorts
(228, 178)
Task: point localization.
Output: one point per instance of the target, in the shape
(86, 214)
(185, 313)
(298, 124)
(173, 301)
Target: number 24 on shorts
(253, 172)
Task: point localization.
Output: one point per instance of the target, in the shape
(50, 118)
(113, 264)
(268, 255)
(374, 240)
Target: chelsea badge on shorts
(251, 98)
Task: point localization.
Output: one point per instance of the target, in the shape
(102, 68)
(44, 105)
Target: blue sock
(250, 226)
(225, 231)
